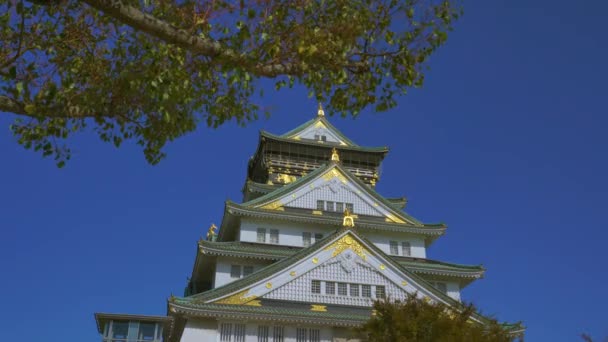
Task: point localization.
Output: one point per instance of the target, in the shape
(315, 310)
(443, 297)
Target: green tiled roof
(278, 252)
(197, 301)
(312, 122)
(378, 149)
(292, 186)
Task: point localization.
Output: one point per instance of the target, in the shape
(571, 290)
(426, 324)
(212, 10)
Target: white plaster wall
(222, 269)
(290, 234)
(453, 290)
(382, 241)
(200, 330)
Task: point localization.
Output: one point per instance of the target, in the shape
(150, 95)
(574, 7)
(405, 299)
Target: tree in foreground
(153, 70)
(416, 320)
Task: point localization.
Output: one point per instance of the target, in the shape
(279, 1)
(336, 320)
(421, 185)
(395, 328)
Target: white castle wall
(224, 264)
(200, 330)
(290, 234)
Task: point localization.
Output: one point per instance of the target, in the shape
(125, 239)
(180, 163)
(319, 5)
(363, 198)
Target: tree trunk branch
(9, 105)
(160, 29)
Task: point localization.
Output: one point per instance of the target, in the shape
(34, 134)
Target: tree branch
(160, 29)
(9, 105)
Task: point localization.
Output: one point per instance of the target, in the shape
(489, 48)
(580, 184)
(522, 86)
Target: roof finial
(334, 155)
(320, 112)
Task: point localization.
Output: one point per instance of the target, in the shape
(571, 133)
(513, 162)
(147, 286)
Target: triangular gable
(319, 127)
(345, 249)
(332, 183)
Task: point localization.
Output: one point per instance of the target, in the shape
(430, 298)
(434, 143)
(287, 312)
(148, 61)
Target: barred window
(274, 236)
(394, 246)
(278, 334)
(301, 335)
(239, 333)
(315, 335)
(366, 291)
(330, 288)
(318, 237)
(340, 207)
(329, 206)
(350, 207)
(235, 271)
(354, 290)
(316, 286)
(263, 333)
(306, 239)
(320, 205)
(380, 291)
(247, 270)
(261, 235)
(225, 332)
(342, 289)
(406, 248)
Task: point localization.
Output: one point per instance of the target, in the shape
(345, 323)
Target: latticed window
(315, 335)
(274, 236)
(406, 248)
(342, 289)
(261, 235)
(278, 334)
(330, 288)
(306, 239)
(366, 291)
(394, 246)
(354, 290)
(350, 207)
(263, 332)
(308, 335)
(316, 286)
(247, 270)
(320, 205)
(225, 332)
(380, 291)
(235, 271)
(329, 206)
(301, 335)
(146, 331)
(340, 207)
(239, 333)
(318, 237)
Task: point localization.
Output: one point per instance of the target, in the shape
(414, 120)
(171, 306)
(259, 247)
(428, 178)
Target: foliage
(417, 320)
(152, 71)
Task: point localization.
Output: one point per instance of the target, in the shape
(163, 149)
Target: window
(239, 333)
(263, 333)
(342, 289)
(394, 246)
(318, 237)
(306, 239)
(308, 335)
(330, 288)
(146, 331)
(247, 270)
(380, 291)
(329, 205)
(316, 286)
(323, 138)
(120, 330)
(261, 235)
(320, 205)
(274, 236)
(301, 335)
(235, 271)
(340, 207)
(278, 334)
(354, 290)
(366, 291)
(406, 248)
(225, 332)
(440, 286)
(350, 207)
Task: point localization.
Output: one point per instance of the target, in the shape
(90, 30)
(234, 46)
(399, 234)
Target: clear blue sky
(506, 143)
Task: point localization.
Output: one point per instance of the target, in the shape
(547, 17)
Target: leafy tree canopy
(152, 71)
(415, 320)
